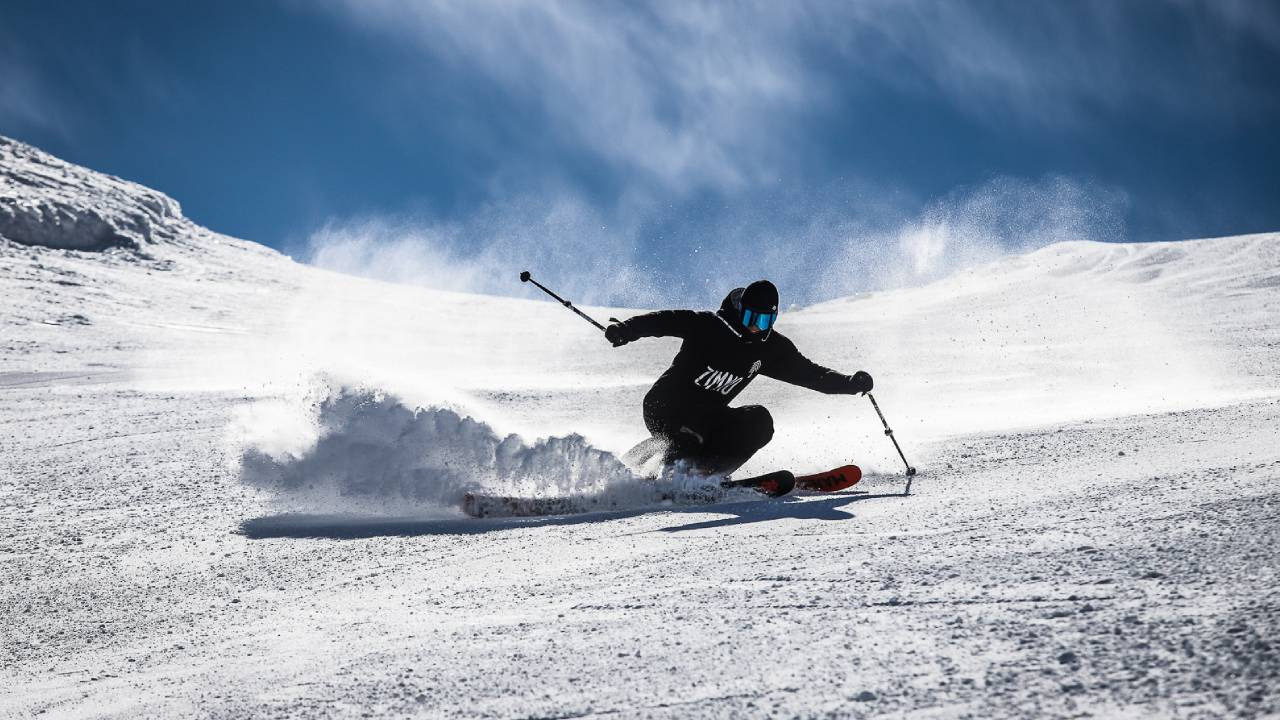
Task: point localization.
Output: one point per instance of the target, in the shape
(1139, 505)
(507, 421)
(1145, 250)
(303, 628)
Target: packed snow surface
(229, 486)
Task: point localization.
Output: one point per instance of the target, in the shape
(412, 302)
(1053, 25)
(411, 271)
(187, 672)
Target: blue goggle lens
(763, 321)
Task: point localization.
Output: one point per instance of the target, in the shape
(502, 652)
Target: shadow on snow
(353, 527)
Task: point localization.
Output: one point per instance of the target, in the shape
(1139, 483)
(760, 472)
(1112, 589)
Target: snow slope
(223, 490)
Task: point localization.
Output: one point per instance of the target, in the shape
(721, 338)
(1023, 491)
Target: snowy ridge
(49, 202)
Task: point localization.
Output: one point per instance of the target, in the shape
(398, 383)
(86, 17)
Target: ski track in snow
(1092, 531)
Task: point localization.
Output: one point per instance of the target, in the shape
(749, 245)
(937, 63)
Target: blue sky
(665, 149)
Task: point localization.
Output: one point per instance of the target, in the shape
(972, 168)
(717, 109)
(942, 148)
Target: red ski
(840, 478)
(781, 482)
(774, 484)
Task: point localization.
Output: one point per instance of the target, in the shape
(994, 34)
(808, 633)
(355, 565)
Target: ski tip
(852, 472)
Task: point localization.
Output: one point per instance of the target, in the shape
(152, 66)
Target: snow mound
(49, 202)
(370, 452)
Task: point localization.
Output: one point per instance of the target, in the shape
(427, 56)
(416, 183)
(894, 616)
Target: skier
(687, 409)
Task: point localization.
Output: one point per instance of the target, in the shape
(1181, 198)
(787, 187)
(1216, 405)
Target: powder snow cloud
(845, 246)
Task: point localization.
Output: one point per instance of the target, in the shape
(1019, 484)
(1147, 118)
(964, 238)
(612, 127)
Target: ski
(780, 482)
(774, 484)
(841, 478)
(480, 505)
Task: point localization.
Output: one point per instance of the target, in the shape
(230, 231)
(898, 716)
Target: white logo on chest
(719, 380)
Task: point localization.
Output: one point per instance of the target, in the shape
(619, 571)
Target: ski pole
(526, 277)
(910, 470)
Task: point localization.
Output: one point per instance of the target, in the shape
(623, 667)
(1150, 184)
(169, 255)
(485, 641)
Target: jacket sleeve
(663, 323)
(789, 366)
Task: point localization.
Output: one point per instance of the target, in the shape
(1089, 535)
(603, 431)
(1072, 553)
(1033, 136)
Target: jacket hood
(731, 312)
(731, 304)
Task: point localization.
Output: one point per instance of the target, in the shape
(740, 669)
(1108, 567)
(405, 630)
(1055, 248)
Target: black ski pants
(715, 440)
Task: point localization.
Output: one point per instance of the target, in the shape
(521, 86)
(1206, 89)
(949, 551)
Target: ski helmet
(758, 306)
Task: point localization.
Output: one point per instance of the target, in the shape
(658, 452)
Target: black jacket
(718, 359)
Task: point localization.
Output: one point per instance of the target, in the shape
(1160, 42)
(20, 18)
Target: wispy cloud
(1254, 19)
(48, 88)
(1064, 63)
(695, 94)
(686, 93)
(24, 100)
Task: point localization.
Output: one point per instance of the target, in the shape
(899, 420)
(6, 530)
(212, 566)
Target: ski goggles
(762, 321)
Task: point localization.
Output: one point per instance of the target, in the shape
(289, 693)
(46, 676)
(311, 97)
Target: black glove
(860, 382)
(618, 334)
